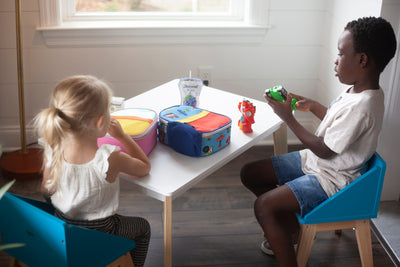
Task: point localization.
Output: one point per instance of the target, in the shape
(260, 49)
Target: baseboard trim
(10, 138)
(267, 142)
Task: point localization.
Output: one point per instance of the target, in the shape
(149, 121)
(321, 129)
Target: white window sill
(91, 33)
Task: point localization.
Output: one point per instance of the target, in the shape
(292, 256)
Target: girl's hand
(282, 109)
(133, 162)
(115, 129)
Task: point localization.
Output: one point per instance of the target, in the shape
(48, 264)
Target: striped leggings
(135, 228)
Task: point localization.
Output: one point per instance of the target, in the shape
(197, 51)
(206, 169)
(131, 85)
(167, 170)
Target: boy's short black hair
(375, 37)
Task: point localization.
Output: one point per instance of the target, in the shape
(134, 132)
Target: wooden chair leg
(363, 235)
(123, 261)
(306, 238)
(16, 263)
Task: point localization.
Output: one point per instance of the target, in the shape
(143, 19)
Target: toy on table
(279, 93)
(248, 110)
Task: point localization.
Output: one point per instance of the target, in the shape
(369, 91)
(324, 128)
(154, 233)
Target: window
(156, 9)
(119, 22)
(152, 5)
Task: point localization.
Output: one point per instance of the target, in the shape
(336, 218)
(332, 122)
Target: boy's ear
(363, 60)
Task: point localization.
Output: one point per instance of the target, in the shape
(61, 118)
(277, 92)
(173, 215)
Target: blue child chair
(49, 241)
(351, 207)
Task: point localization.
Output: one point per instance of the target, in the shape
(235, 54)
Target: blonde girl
(80, 179)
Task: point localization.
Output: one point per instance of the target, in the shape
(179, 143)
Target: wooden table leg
(168, 231)
(280, 140)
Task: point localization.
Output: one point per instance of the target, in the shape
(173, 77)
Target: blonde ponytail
(75, 102)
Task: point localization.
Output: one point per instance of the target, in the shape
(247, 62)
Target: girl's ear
(99, 122)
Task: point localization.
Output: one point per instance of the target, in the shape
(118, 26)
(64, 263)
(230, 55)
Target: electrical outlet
(204, 73)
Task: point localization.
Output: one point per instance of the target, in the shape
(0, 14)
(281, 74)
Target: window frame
(58, 29)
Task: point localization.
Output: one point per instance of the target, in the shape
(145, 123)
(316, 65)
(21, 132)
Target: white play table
(173, 173)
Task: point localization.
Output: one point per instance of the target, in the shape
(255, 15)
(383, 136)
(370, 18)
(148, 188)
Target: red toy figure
(248, 110)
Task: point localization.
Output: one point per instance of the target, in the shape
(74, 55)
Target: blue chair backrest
(358, 200)
(52, 242)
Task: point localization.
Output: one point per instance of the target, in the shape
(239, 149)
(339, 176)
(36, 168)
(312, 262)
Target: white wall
(289, 55)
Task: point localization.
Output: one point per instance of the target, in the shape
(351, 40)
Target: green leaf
(4, 189)
(9, 246)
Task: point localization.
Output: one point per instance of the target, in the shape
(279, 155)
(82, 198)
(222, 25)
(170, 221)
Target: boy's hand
(115, 129)
(307, 104)
(282, 109)
(303, 103)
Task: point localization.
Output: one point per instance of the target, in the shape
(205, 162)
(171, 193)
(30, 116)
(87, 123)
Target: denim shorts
(306, 187)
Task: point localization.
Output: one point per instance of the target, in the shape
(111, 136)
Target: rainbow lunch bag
(139, 123)
(194, 131)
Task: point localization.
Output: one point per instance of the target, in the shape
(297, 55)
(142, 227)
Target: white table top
(173, 173)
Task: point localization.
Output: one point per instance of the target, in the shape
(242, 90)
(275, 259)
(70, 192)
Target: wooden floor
(214, 225)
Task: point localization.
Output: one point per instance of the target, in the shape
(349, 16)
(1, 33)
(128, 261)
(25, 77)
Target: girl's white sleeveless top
(83, 192)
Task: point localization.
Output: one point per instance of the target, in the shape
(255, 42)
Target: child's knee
(262, 207)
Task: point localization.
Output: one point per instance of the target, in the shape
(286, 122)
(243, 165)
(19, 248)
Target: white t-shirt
(350, 128)
(83, 192)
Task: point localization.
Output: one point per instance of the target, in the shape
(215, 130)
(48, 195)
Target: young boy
(346, 138)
